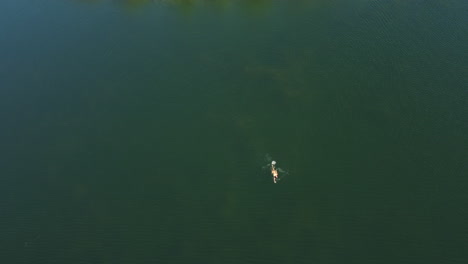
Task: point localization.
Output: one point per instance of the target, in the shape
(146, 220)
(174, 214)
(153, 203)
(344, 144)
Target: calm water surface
(135, 131)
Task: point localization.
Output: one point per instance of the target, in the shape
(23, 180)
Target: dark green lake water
(136, 131)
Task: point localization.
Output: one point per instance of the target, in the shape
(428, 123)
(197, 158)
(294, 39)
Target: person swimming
(274, 171)
(277, 173)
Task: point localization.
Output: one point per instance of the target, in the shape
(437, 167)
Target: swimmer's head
(273, 162)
